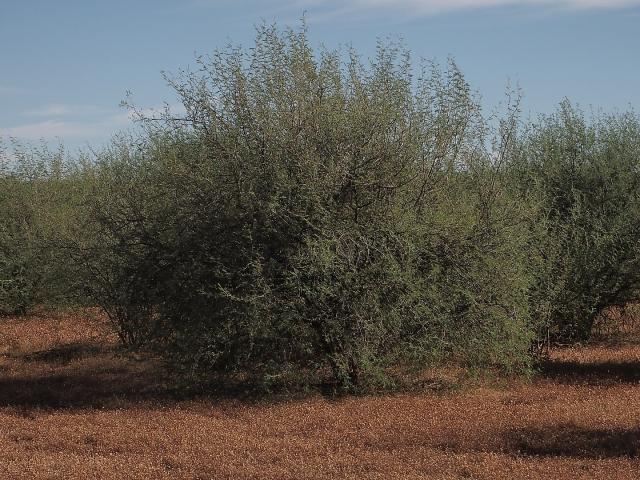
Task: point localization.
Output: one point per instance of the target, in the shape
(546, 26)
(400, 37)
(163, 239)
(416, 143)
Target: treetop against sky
(67, 64)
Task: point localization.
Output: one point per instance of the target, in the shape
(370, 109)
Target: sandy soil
(74, 406)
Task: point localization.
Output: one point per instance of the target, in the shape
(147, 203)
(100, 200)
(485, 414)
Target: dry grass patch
(73, 405)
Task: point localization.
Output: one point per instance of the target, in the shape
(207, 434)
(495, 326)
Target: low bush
(311, 215)
(585, 176)
(37, 196)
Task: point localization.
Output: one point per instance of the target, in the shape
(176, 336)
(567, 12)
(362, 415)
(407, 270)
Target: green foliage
(35, 200)
(311, 214)
(585, 176)
(312, 217)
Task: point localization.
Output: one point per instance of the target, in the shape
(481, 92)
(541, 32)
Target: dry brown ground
(72, 406)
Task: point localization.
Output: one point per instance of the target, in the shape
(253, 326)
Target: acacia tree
(584, 174)
(311, 212)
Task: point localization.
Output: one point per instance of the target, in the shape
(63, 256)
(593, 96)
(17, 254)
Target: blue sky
(67, 64)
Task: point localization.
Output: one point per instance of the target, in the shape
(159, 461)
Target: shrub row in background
(40, 196)
(315, 217)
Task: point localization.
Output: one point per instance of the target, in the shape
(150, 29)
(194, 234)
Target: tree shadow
(591, 373)
(78, 376)
(73, 391)
(568, 440)
(67, 353)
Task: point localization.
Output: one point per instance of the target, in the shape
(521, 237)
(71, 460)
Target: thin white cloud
(51, 129)
(63, 110)
(10, 90)
(602, 3)
(441, 6)
(68, 129)
(75, 127)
